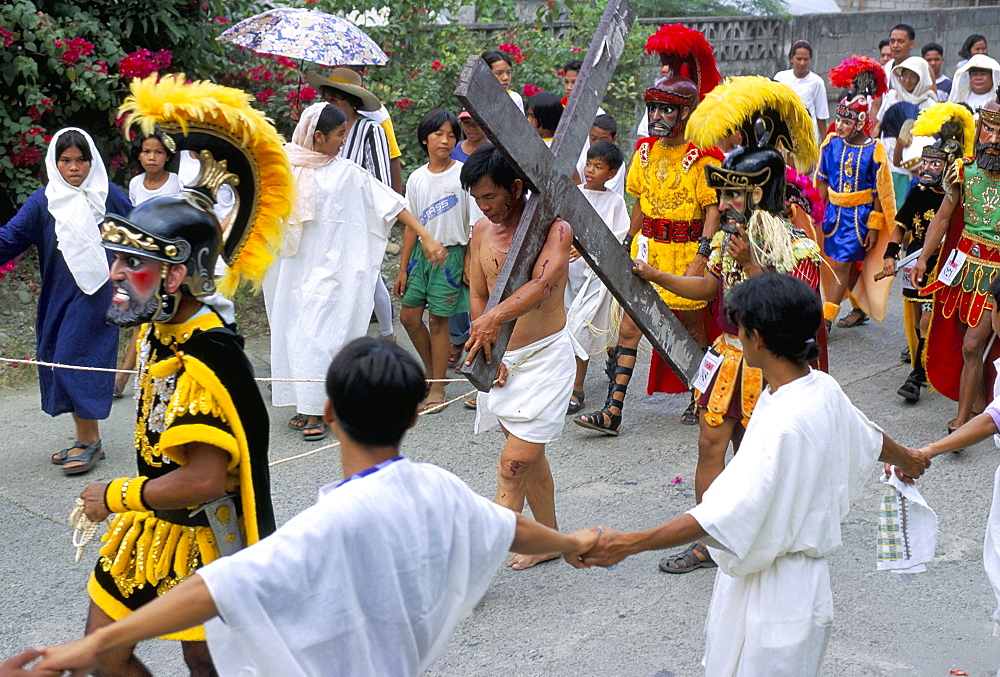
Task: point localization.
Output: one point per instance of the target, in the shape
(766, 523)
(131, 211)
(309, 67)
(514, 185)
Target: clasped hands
(597, 546)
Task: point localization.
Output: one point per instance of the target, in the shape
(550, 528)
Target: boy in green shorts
(436, 198)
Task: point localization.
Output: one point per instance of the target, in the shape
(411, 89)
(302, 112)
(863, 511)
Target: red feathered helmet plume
(688, 55)
(861, 75)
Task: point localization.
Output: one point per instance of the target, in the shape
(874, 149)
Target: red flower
(576, 49)
(265, 96)
(285, 61)
(530, 90)
(142, 63)
(307, 94)
(7, 37)
(34, 114)
(29, 157)
(36, 131)
(117, 161)
(510, 48)
(437, 66)
(47, 138)
(75, 48)
(403, 104)
(222, 19)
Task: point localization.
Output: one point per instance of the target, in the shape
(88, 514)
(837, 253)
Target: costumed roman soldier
(202, 489)
(949, 128)
(854, 179)
(675, 210)
(968, 262)
(754, 239)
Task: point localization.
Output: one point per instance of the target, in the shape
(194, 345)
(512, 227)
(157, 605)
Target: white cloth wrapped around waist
(532, 404)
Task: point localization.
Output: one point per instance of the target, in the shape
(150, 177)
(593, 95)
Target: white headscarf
(922, 95)
(305, 161)
(960, 88)
(77, 212)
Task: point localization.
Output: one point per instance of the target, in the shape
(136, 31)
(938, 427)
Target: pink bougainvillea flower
(437, 66)
(265, 96)
(676, 480)
(403, 104)
(530, 90)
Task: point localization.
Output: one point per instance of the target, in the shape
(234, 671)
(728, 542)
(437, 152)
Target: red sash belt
(670, 230)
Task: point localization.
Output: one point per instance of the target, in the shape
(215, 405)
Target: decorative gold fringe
(727, 107)
(169, 99)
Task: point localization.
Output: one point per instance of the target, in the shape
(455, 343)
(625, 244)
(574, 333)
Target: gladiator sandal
(609, 419)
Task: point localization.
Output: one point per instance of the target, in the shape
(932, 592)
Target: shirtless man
(535, 378)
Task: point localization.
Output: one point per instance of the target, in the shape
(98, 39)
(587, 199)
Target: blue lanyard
(369, 471)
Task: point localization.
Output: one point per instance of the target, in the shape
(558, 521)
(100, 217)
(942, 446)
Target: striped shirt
(366, 144)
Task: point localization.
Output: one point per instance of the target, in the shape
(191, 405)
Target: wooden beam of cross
(549, 175)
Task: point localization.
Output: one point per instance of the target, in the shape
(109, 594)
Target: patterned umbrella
(308, 35)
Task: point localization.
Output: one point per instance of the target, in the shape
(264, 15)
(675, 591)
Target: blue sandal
(88, 458)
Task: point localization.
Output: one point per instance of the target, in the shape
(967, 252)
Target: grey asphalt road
(554, 620)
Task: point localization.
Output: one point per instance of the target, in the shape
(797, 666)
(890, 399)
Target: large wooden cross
(548, 173)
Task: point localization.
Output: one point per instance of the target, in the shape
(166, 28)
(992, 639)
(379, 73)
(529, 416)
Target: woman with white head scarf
(321, 294)
(62, 221)
(976, 82)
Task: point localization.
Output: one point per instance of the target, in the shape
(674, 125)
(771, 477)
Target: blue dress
(70, 327)
(847, 168)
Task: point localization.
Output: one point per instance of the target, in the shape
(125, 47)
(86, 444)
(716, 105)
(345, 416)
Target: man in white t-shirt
(369, 581)
(809, 86)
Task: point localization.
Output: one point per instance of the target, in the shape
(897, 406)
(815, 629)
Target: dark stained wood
(548, 173)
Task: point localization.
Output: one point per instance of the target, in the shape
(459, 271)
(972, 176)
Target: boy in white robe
(773, 515)
(588, 301)
(373, 578)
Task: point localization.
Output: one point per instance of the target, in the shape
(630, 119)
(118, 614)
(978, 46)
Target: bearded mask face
(136, 281)
(735, 207)
(931, 171)
(988, 146)
(664, 119)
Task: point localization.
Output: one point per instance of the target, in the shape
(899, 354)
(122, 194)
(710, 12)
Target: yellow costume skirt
(734, 389)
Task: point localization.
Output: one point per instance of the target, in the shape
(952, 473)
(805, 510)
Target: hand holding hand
(17, 665)
(610, 549)
(585, 540)
(914, 465)
(78, 657)
(93, 502)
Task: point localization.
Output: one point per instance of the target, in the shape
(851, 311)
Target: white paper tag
(904, 275)
(952, 267)
(706, 370)
(642, 249)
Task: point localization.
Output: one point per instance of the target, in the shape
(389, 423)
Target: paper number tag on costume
(642, 249)
(706, 370)
(952, 267)
(904, 276)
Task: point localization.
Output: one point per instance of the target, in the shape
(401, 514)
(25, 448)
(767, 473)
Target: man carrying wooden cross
(536, 375)
(676, 211)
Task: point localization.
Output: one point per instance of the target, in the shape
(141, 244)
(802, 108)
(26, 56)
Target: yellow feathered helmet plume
(237, 147)
(952, 127)
(772, 121)
(737, 105)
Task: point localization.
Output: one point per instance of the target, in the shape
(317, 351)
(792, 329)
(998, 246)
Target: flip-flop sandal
(575, 407)
(687, 561)
(454, 355)
(470, 403)
(60, 457)
(92, 453)
(432, 408)
(297, 422)
(321, 431)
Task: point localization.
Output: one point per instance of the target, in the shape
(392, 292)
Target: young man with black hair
(772, 517)
(933, 54)
(437, 199)
(369, 581)
(535, 377)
